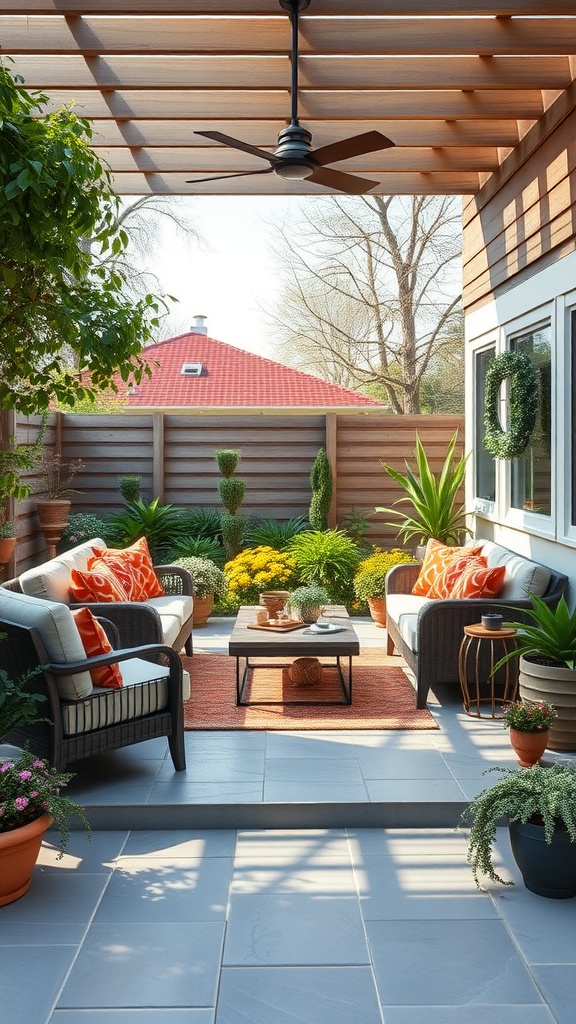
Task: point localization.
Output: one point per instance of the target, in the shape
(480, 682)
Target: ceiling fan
(294, 157)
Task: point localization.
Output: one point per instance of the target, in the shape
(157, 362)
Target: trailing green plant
(552, 638)
(129, 486)
(197, 547)
(83, 526)
(546, 793)
(258, 569)
(523, 398)
(307, 602)
(160, 524)
(208, 578)
(321, 483)
(370, 578)
(29, 788)
(529, 715)
(275, 533)
(434, 511)
(227, 459)
(329, 558)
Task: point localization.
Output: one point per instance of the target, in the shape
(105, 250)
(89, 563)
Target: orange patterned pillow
(446, 581)
(94, 642)
(133, 567)
(438, 556)
(478, 580)
(102, 585)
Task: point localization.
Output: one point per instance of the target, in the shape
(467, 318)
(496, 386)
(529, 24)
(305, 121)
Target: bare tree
(372, 290)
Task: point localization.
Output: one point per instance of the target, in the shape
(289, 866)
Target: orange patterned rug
(382, 697)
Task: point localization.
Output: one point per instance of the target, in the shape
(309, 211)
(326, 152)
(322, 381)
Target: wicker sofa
(427, 633)
(159, 620)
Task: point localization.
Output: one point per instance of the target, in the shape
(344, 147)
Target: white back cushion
(523, 577)
(51, 580)
(59, 635)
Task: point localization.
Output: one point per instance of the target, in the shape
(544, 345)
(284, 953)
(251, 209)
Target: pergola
(456, 90)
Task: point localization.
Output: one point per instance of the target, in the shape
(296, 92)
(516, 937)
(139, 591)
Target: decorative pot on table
(528, 746)
(274, 601)
(19, 851)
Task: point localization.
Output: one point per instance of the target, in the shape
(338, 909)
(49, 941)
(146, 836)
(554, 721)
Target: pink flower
(6, 766)
(38, 764)
(21, 802)
(25, 775)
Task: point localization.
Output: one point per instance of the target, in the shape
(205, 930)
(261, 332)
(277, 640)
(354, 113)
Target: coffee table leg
(345, 683)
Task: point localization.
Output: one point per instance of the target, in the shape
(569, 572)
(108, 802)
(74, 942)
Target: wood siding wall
(175, 457)
(525, 216)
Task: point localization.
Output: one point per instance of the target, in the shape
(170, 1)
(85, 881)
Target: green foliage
(329, 558)
(370, 578)
(57, 295)
(29, 788)
(129, 486)
(231, 490)
(307, 602)
(258, 569)
(233, 529)
(160, 524)
(517, 368)
(529, 715)
(321, 483)
(203, 522)
(198, 547)
(18, 707)
(549, 793)
(431, 497)
(356, 522)
(552, 637)
(208, 578)
(227, 459)
(81, 527)
(275, 534)
(13, 459)
(56, 476)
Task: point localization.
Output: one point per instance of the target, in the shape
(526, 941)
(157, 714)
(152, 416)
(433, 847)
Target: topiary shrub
(231, 490)
(129, 487)
(227, 459)
(321, 483)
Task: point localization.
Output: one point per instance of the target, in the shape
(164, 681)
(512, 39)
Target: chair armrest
(175, 579)
(114, 657)
(401, 578)
(136, 621)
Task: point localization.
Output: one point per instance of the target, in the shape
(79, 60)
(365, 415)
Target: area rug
(382, 697)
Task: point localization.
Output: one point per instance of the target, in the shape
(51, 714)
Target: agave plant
(198, 547)
(552, 636)
(160, 524)
(435, 512)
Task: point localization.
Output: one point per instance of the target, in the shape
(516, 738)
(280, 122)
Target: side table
(479, 651)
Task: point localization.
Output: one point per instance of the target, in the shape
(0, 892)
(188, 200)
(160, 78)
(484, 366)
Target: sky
(231, 278)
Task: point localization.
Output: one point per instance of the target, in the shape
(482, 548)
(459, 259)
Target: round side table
(481, 689)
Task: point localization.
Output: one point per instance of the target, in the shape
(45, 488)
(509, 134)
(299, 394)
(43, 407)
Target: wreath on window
(523, 397)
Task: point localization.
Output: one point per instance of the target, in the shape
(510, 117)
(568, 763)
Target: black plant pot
(548, 869)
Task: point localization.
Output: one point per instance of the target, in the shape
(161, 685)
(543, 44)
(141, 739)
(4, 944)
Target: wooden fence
(174, 455)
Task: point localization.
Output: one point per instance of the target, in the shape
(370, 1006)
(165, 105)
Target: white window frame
(566, 456)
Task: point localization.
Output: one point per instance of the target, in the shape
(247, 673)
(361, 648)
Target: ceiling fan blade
(221, 177)
(350, 183)
(227, 140)
(368, 142)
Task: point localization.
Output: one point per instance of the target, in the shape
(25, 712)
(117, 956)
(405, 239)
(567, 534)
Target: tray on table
(276, 627)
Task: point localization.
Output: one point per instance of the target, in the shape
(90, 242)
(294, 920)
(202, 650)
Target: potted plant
(370, 580)
(13, 459)
(529, 723)
(546, 648)
(210, 585)
(328, 558)
(307, 603)
(30, 801)
(55, 488)
(434, 510)
(540, 806)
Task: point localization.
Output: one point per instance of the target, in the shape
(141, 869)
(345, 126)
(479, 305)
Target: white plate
(332, 628)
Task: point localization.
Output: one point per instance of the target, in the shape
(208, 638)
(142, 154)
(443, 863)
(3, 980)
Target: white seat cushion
(403, 610)
(58, 632)
(170, 628)
(180, 605)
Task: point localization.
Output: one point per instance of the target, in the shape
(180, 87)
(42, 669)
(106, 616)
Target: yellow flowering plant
(257, 569)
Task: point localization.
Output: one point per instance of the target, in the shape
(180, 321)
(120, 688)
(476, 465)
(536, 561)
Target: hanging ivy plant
(523, 404)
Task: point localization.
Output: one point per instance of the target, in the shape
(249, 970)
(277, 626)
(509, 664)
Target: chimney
(199, 327)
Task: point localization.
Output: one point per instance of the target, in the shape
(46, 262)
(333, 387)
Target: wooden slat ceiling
(456, 90)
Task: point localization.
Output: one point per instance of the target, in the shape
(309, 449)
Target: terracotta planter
(19, 851)
(377, 606)
(7, 545)
(53, 516)
(557, 686)
(202, 609)
(528, 746)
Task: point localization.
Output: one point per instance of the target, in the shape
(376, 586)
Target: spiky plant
(275, 534)
(329, 558)
(160, 524)
(198, 547)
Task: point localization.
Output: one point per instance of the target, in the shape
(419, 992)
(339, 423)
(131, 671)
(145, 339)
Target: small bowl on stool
(492, 621)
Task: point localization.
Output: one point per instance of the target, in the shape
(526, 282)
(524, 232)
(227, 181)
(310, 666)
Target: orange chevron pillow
(438, 556)
(478, 580)
(100, 585)
(133, 567)
(94, 642)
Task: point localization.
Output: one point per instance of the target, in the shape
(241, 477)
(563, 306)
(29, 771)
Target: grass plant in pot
(529, 723)
(370, 580)
(210, 585)
(539, 804)
(546, 648)
(432, 507)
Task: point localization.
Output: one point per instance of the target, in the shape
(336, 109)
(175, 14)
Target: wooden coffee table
(246, 643)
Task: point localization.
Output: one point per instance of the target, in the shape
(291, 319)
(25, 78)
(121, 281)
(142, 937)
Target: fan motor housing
(295, 150)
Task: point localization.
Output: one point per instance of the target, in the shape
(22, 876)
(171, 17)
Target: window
(191, 369)
(573, 415)
(531, 475)
(485, 465)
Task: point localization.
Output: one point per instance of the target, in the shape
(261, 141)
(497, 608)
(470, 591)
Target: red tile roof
(231, 377)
